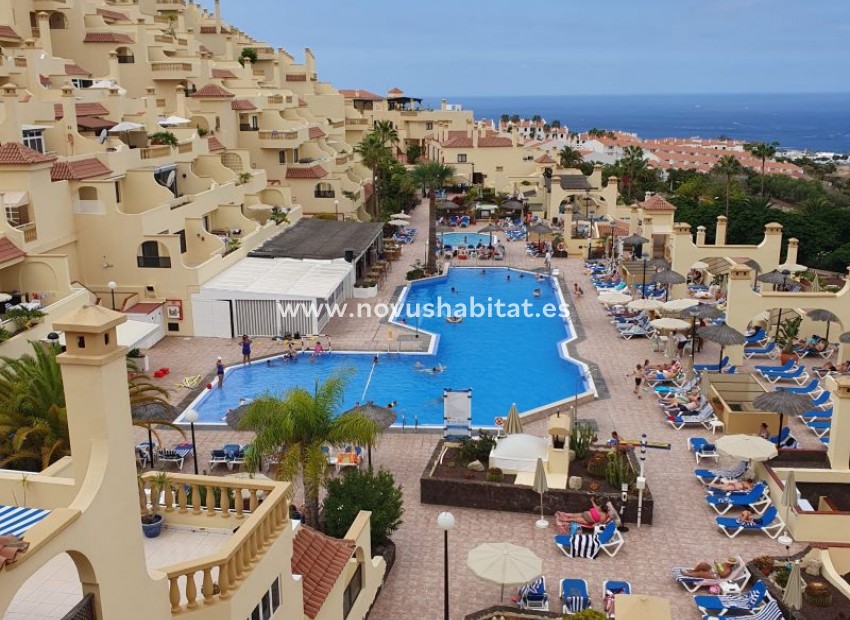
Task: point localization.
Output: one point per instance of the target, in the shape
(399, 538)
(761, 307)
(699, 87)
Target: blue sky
(561, 47)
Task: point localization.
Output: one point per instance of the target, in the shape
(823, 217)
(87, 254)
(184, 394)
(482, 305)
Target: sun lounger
(702, 449)
(711, 367)
(578, 545)
(756, 338)
(823, 401)
(813, 389)
(771, 351)
(785, 439)
(610, 589)
(749, 602)
(635, 332)
(813, 415)
(770, 611)
(756, 498)
(15, 520)
(713, 475)
(176, 455)
(703, 417)
(610, 539)
(820, 428)
(786, 367)
(798, 376)
(739, 577)
(574, 595)
(770, 523)
(533, 595)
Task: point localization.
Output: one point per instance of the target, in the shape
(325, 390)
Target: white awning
(130, 333)
(15, 199)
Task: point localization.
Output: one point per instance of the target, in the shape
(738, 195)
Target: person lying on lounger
(734, 485)
(718, 570)
(596, 515)
(693, 404)
(748, 518)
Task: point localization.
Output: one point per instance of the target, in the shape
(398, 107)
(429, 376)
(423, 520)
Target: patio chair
(820, 428)
(578, 545)
(757, 338)
(610, 539)
(770, 523)
(176, 455)
(785, 439)
(787, 366)
(756, 498)
(712, 367)
(142, 456)
(610, 589)
(771, 351)
(770, 611)
(574, 595)
(635, 332)
(533, 595)
(216, 457)
(798, 376)
(739, 577)
(713, 475)
(702, 449)
(464, 221)
(452, 220)
(703, 417)
(749, 602)
(813, 389)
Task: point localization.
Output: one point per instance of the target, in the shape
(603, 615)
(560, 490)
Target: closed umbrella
(540, 486)
(823, 315)
(789, 492)
(513, 425)
(504, 564)
(670, 324)
(677, 305)
(614, 298)
(723, 335)
(793, 595)
(147, 414)
(383, 418)
(491, 228)
(668, 277)
(644, 304)
(642, 607)
(746, 447)
(784, 403)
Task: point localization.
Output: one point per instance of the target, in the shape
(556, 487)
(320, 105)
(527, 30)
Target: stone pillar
(217, 13)
(770, 247)
(720, 231)
(700, 235)
(180, 97)
(114, 67)
(838, 450)
(230, 53)
(69, 115)
(739, 294)
(633, 219)
(10, 130)
(559, 427)
(793, 248)
(595, 178)
(44, 32)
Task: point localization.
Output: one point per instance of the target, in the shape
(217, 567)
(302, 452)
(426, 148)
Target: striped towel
(15, 521)
(584, 546)
(574, 604)
(532, 587)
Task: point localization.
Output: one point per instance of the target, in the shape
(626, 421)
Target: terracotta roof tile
(143, 307)
(313, 172)
(494, 141)
(213, 91)
(86, 108)
(356, 93)
(316, 132)
(457, 140)
(320, 560)
(75, 69)
(9, 251)
(545, 159)
(223, 74)
(242, 105)
(657, 203)
(107, 37)
(395, 91)
(114, 16)
(296, 77)
(214, 144)
(16, 154)
(7, 32)
(78, 170)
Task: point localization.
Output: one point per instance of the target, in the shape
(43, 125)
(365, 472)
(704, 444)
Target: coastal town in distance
(278, 346)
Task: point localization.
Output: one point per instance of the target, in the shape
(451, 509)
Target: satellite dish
(172, 176)
(103, 135)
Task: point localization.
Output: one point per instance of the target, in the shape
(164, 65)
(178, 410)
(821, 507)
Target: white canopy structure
(132, 334)
(271, 297)
(516, 453)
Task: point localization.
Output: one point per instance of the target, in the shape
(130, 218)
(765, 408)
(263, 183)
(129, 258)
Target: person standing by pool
(638, 375)
(219, 372)
(547, 259)
(246, 349)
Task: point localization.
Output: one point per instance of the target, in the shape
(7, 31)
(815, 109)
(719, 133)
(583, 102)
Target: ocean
(814, 122)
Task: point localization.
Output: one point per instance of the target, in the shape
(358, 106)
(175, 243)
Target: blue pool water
(503, 359)
(457, 239)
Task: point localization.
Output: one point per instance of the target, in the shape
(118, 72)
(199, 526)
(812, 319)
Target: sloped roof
(545, 159)
(7, 32)
(457, 140)
(356, 93)
(395, 91)
(316, 132)
(320, 560)
(114, 16)
(107, 37)
(313, 172)
(94, 123)
(574, 181)
(90, 108)
(16, 154)
(9, 251)
(214, 144)
(223, 74)
(657, 203)
(494, 141)
(242, 105)
(213, 91)
(78, 170)
(75, 69)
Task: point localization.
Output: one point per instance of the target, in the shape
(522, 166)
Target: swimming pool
(456, 239)
(503, 359)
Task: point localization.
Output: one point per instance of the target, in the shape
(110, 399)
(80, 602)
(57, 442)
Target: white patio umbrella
(125, 126)
(395, 222)
(792, 267)
(173, 120)
(504, 564)
(513, 425)
(614, 298)
(746, 447)
(400, 216)
(540, 486)
(670, 324)
(644, 304)
(699, 265)
(677, 305)
(4, 297)
(793, 595)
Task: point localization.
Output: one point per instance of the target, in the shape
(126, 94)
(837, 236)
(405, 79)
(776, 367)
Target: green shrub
(25, 318)
(163, 137)
(358, 490)
(415, 274)
(619, 470)
(781, 577)
(581, 436)
(477, 449)
(494, 474)
(589, 614)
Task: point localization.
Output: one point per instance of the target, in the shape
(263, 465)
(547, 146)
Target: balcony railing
(153, 152)
(326, 193)
(275, 99)
(247, 127)
(29, 230)
(154, 262)
(171, 66)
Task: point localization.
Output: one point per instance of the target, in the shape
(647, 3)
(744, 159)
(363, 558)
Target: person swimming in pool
(431, 371)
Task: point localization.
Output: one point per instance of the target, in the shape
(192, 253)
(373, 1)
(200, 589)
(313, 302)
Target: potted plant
(163, 137)
(786, 338)
(139, 360)
(151, 519)
(764, 564)
(25, 318)
(244, 177)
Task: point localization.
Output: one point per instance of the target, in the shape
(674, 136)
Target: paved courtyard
(683, 531)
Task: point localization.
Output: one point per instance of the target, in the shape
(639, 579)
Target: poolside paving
(683, 530)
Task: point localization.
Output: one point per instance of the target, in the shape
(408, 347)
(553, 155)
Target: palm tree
(764, 151)
(536, 118)
(568, 157)
(373, 153)
(514, 118)
(293, 429)
(432, 175)
(759, 202)
(634, 162)
(728, 166)
(386, 132)
(814, 206)
(505, 118)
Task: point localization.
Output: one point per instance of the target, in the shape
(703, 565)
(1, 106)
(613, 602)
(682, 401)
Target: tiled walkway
(683, 531)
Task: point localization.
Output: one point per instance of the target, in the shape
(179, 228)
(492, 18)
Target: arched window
(88, 193)
(324, 190)
(125, 56)
(153, 255)
(58, 21)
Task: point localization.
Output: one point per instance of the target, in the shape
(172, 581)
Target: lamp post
(587, 216)
(111, 285)
(641, 481)
(643, 286)
(446, 521)
(694, 311)
(336, 210)
(191, 418)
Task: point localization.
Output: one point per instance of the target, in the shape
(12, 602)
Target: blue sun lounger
(749, 602)
(713, 475)
(756, 498)
(14, 520)
(711, 367)
(770, 523)
(770, 611)
(787, 366)
(771, 351)
(574, 595)
(813, 389)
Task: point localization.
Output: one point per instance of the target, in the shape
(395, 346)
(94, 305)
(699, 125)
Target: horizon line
(668, 94)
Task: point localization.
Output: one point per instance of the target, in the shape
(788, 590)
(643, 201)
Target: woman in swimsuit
(595, 516)
(719, 570)
(743, 485)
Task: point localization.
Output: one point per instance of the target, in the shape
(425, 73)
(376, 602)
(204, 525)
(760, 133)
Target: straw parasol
(504, 564)
(491, 228)
(151, 412)
(447, 205)
(642, 607)
(512, 205)
(746, 447)
(723, 335)
(784, 403)
(540, 486)
(668, 277)
(793, 595)
(644, 304)
(823, 315)
(383, 417)
(677, 305)
(774, 277)
(844, 338)
(659, 263)
(614, 298)
(635, 240)
(539, 229)
(513, 425)
(670, 324)
(701, 311)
